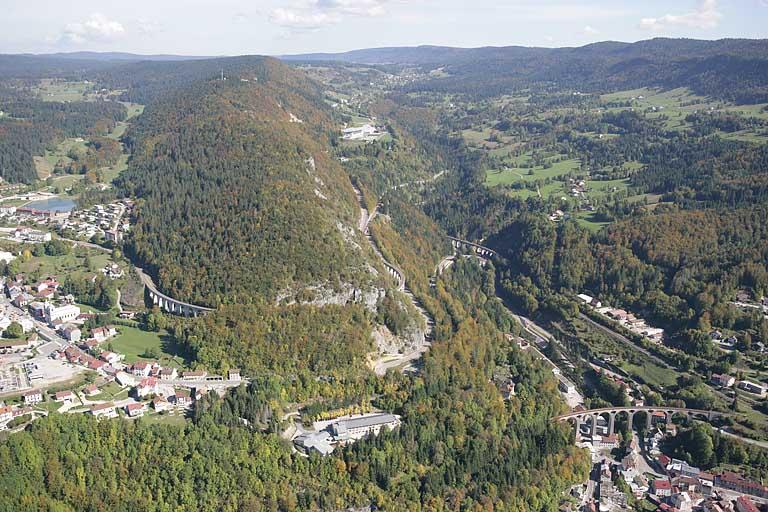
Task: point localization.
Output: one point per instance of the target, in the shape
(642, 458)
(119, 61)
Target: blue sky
(233, 27)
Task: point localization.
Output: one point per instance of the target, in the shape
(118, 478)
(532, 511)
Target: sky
(277, 27)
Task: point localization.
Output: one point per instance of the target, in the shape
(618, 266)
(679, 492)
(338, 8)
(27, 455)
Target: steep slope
(239, 197)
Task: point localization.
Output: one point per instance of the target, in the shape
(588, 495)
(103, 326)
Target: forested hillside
(29, 125)
(239, 197)
(460, 446)
(733, 69)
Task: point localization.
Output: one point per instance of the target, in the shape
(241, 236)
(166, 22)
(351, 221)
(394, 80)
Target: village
(46, 341)
(636, 475)
(102, 221)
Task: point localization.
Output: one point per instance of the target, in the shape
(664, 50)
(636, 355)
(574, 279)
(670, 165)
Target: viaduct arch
(590, 416)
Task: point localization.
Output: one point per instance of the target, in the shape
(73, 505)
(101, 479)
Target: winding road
(388, 361)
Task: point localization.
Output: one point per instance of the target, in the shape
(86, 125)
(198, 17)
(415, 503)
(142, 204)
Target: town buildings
(65, 313)
(738, 483)
(32, 397)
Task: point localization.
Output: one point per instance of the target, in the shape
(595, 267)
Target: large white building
(359, 133)
(357, 428)
(65, 313)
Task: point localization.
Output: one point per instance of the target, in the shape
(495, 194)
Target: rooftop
(368, 421)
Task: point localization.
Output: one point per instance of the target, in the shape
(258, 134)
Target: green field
(759, 110)
(651, 373)
(474, 137)
(590, 221)
(110, 391)
(596, 188)
(72, 264)
(46, 164)
(674, 105)
(134, 109)
(51, 90)
(746, 136)
(521, 174)
(176, 419)
(134, 343)
(110, 173)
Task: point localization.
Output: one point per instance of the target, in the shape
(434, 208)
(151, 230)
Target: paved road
(762, 444)
(76, 243)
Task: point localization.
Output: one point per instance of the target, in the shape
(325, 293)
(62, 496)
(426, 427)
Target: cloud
(705, 16)
(315, 14)
(590, 31)
(96, 27)
(301, 20)
(240, 17)
(147, 27)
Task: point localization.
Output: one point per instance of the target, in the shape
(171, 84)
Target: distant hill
(732, 69)
(442, 55)
(74, 65)
(115, 56)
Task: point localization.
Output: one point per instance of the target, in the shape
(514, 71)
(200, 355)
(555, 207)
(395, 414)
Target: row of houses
(681, 476)
(9, 412)
(728, 381)
(628, 320)
(179, 399)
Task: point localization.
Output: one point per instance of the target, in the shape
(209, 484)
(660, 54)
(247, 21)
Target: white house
(147, 386)
(71, 333)
(168, 374)
(32, 397)
(65, 397)
(135, 410)
(105, 410)
(65, 313)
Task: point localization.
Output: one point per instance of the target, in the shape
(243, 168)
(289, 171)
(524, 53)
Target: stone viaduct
(591, 416)
(477, 248)
(166, 303)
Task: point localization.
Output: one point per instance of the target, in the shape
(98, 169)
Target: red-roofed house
(141, 369)
(744, 504)
(147, 386)
(738, 483)
(183, 398)
(661, 487)
(106, 410)
(46, 294)
(95, 364)
(134, 410)
(64, 396)
(160, 404)
(103, 333)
